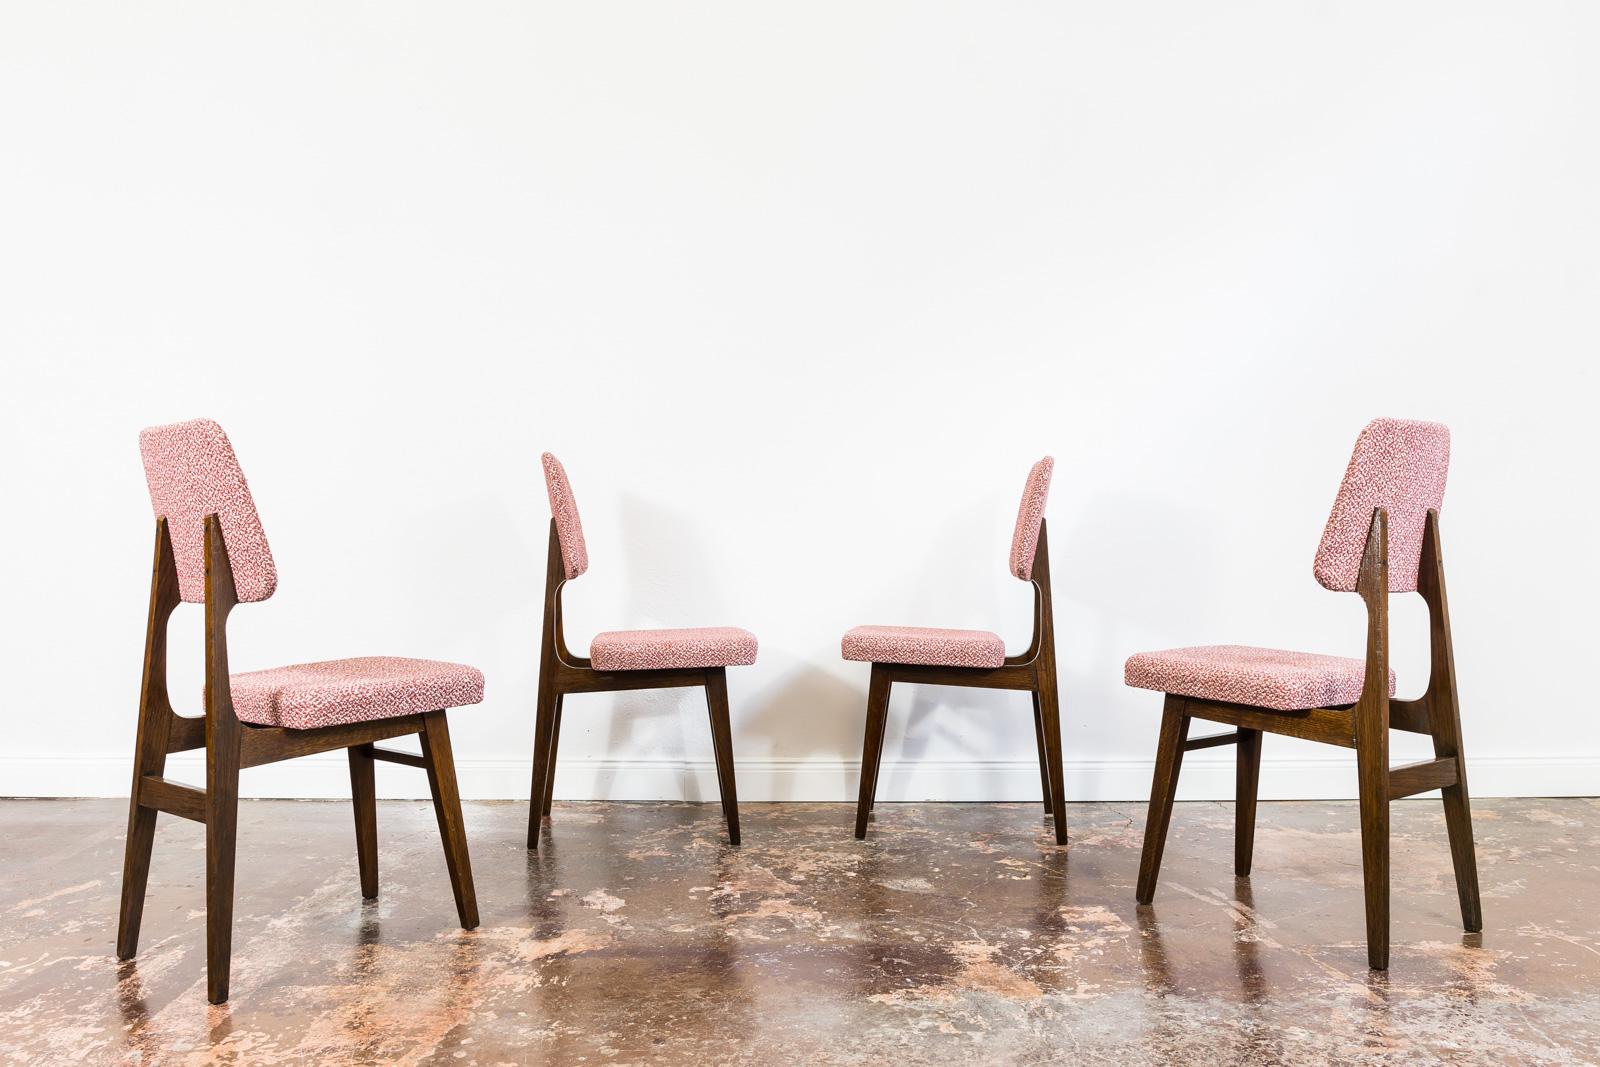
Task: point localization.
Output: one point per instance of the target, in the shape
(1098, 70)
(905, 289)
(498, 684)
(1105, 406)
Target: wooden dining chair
(1382, 538)
(210, 549)
(622, 660)
(974, 658)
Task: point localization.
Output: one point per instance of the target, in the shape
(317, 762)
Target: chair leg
(1050, 714)
(1458, 822)
(550, 768)
(222, 825)
(722, 748)
(441, 768)
(1458, 813)
(872, 748)
(150, 757)
(364, 797)
(1164, 786)
(1044, 758)
(1247, 777)
(543, 735)
(877, 776)
(1372, 768)
(135, 875)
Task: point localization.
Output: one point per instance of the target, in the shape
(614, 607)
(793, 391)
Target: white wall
(798, 292)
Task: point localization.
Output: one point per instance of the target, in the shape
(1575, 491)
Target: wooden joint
(1413, 778)
(389, 755)
(174, 798)
(1212, 741)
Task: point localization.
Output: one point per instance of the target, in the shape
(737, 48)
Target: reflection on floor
(956, 934)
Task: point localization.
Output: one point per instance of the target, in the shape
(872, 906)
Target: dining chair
(210, 549)
(974, 658)
(1382, 537)
(621, 660)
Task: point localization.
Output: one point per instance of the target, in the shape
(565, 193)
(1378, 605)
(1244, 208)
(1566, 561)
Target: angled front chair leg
(722, 748)
(1163, 788)
(364, 797)
(150, 749)
(872, 746)
(440, 764)
(550, 767)
(1247, 782)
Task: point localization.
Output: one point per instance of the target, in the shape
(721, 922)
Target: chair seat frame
(231, 745)
(1034, 671)
(1363, 726)
(561, 672)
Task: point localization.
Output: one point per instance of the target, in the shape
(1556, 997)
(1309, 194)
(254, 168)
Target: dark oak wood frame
(1033, 671)
(1363, 726)
(232, 745)
(561, 672)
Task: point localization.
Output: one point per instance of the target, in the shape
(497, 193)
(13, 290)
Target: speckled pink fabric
(925, 645)
(1025, 541)
(308, 695)
(564, 509)
(192, 472)
(1259, 677)
(1400, 466)
(649, 650)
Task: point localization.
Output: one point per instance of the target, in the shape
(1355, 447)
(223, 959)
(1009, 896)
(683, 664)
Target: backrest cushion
(1025, 540)
(192, 472)
(564, 509)
(1398, 465)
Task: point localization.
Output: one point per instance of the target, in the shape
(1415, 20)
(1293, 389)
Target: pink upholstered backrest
(1400, 466)
(192, 472)
(564, 509)
(1025, 540)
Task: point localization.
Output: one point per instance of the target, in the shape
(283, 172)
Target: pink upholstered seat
(1260, 677)
(691, 647)
(925, 645)
(308, 695)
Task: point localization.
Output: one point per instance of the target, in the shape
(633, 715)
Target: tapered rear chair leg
(1164, 786)
(1050, 713)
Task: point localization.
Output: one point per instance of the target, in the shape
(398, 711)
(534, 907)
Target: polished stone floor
(956, 934)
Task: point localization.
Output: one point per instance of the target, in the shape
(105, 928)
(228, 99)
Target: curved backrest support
(192, 472)
(1030, 513)
(564, 509)
(1398, 465)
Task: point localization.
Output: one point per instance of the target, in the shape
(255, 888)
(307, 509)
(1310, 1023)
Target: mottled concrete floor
(956, 934)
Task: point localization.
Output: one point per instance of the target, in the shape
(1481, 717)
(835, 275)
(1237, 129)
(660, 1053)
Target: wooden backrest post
(220, 600)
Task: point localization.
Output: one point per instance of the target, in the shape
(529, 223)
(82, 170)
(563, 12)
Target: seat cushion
(654, 650)
(924, 645)
(308, 695)
(1260, 677)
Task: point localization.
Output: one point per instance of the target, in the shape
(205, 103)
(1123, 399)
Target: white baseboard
(327, 776)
